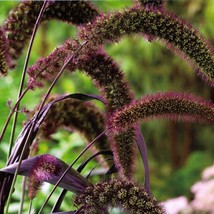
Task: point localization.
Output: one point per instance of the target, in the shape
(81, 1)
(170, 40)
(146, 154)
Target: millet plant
(114, 134)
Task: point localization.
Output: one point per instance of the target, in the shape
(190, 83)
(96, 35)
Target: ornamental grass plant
(109, 119)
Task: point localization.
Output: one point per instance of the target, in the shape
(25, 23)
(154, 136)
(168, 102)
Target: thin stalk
(11, 114)
(23, 195)
(36, 118)
(30, 206)
(24, 74)
(15, 106)
(70, 166)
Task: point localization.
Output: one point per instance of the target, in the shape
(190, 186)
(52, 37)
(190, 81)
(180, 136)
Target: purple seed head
(173, 31)
(43, 168)
(118, 193)
(5, 60)
(177, 106)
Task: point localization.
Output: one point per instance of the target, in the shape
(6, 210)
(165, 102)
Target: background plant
(168, 84)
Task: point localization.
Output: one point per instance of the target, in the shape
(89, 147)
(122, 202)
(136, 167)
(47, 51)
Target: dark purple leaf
(72, 181)
(143, 152)
(23, 135)
(6, 179)
(112, 170)
(82, 166)
(87, 97)
(59, 201)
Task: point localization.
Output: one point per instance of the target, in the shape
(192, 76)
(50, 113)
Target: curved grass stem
(30, 206)
(24, 180)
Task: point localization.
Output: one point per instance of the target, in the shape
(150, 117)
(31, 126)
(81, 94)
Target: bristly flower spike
(5, 60)
(43, 168)
(19, 24)
(153, 4)
(161, 24)
(118, 193)
(177, 106)
(108, 76)
(114, 87)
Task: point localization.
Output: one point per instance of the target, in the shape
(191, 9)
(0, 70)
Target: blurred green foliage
(150, 68)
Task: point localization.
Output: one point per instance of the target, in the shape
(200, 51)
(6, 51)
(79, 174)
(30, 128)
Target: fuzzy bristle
(5, 60)
(178, 106)
(159, 24)
(155, 4)
(124, 148)
(20, 22)
(118, 193)
(109, 77)
(44, 167)
(106, 74)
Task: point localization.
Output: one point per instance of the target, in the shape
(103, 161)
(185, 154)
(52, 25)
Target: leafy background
(177, 151)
